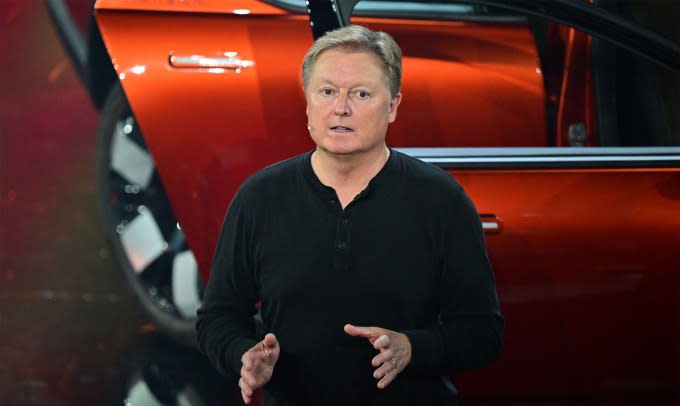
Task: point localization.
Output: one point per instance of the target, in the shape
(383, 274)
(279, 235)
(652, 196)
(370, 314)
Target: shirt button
(342, 245)
(332, 201)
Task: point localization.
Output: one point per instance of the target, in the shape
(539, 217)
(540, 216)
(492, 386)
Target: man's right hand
(258, 366)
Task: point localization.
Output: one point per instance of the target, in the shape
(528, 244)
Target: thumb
(270, 341)
(270, 345)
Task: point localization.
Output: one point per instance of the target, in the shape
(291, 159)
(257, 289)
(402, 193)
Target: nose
(342, 105)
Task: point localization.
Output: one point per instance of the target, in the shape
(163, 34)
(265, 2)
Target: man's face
(348, 103)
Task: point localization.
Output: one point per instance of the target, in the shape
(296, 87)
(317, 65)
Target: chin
(338, 150)
(339, 147)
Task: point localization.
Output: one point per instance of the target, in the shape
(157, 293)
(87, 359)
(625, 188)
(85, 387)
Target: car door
(205, 83)
(582, 230)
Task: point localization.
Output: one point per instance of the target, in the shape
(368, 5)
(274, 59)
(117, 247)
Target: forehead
(345, 65)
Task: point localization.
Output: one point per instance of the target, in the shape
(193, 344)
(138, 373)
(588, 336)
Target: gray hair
(356, 38)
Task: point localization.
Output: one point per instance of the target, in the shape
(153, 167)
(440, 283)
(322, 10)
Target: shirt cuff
(426, 349)
(237, 351)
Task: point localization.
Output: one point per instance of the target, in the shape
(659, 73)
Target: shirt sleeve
(469, 332)
(225, 325)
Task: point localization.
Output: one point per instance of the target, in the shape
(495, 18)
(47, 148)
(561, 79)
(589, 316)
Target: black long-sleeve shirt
(407, 254)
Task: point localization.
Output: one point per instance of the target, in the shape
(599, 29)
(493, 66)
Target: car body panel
(255, 117)
(230, 140)
(238, 7)
(584, 255)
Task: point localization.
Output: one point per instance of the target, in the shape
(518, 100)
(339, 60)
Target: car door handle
(224, 61)
(491, 224)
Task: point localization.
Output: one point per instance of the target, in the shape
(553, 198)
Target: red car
(567, 139)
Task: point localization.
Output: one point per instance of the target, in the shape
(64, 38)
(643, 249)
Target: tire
(142, 231)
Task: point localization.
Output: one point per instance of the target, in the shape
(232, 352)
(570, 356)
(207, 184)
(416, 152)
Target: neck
(348, 171)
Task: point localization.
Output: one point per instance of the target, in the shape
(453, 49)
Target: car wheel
(144, 236)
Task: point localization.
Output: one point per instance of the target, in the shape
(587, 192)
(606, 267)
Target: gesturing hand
(394, 347)
(258, 366)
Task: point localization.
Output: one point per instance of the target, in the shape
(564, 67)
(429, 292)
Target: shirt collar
(380, 179)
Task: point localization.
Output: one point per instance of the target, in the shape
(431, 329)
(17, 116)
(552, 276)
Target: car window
(662, 86)
(627, 100)
(592, 92)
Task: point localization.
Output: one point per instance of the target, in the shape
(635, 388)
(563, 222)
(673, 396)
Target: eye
(327, 92)
(362, 94)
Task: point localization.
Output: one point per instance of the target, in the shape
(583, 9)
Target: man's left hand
(394, 347)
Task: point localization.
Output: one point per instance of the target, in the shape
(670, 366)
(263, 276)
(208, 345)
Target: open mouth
(342, 129)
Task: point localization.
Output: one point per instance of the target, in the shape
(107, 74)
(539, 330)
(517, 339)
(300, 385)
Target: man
(370, 265)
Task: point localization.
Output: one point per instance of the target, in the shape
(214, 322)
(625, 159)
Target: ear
(393, 106)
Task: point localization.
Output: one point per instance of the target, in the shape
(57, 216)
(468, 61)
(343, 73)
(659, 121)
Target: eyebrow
(330, 82)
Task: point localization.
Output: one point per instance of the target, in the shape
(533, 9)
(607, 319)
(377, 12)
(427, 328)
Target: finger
(245, 388)
(384, 369)
(387, 379)
(382, 357)
(382, 342)
(247, 360)
(248, 378)
(246, 398)
(366, 332)
(246, 391)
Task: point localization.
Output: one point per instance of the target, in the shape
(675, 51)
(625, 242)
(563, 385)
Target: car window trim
(601, 24)
(582, 16)
(371, 9)
(547, 157)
